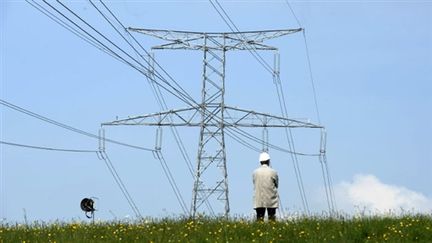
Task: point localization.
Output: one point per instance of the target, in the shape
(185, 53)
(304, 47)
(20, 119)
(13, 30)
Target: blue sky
(371, 64)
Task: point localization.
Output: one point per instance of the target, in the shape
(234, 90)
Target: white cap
(264, 157)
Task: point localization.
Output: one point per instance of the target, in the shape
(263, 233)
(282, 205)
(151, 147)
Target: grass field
(316, 229)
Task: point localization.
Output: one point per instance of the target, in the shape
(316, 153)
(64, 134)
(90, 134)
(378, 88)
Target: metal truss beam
(234, 117)
(190, 40)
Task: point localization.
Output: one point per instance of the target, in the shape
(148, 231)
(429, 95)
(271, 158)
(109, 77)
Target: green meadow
(415, 228)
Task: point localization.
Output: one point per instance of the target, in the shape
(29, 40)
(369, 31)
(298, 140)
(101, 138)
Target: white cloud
(366, 193)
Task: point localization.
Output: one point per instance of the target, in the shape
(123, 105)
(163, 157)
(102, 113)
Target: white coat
(265, 180)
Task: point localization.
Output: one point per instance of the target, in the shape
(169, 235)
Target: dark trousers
(261, 212)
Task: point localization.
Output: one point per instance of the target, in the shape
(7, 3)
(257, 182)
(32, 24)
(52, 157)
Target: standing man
(265, 180)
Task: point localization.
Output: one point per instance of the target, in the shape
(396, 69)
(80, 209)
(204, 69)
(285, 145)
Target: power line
(67, 26)
(178, 93)
(323, 159)
(260, 141)
(333, 204)
(120, 183)
(142, 48)
(172, 182)
(242, 141)
(228, 21)
(117, 55)
(291, 144)
(311, 77)
(328, 183)
(67, 127)
(48, 148)
(292, 11)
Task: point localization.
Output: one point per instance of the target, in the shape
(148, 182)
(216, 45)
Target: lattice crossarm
(184, 116)
(238, 117)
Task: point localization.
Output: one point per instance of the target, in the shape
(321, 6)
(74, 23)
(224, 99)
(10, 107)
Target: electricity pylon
(212, 115)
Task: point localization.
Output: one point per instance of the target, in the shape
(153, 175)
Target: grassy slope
(366, 229)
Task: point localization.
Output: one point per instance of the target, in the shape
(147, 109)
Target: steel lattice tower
(212, 115)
